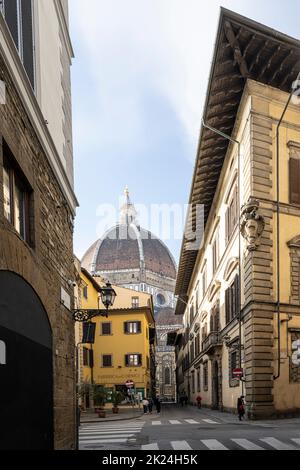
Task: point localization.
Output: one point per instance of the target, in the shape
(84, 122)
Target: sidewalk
(125, 413)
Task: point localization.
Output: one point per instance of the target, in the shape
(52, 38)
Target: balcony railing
(212, 341)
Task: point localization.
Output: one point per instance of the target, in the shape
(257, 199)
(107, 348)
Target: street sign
(129, 384)
(239, 373)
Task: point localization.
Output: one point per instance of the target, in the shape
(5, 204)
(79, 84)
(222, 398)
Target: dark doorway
(215, 386)
(26, 376)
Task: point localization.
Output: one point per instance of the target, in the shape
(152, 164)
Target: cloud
(137, 47)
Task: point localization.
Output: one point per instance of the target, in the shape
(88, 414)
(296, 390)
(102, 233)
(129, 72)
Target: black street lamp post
(108, 295)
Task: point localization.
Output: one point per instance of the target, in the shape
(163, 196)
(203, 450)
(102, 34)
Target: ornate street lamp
(108, 295)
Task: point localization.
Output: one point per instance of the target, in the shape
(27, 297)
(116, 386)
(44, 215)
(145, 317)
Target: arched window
(167, 376)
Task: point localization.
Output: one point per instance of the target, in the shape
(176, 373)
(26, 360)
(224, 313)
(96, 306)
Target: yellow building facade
(124, 346)
(240, 291)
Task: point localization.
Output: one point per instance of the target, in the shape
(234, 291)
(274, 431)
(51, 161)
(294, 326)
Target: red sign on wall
(238, 372)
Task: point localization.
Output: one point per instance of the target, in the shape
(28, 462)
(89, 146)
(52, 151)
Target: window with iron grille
(199, 380)
(107, 360)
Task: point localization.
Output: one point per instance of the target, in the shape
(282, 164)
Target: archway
(26, 376)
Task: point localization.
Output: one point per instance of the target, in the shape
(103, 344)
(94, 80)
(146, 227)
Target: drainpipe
(235, 141)
(278, 234)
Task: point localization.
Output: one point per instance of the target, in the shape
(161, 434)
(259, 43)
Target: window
(19, 19)
(167, 376)
(215, 253)
(198, 380)
(107, 360)
(192, 355)
(135, 302)
(193, 382)
(232, 214)
(232, 303)
(192, 312)
(17, 197)
(133, 360)
(132, 328)
(85, 292)
(205, 376)
(197, 345)
(233, 360)
(215, 318)
(88, 357)
(204, 281)
(106, 329)
(294, 179)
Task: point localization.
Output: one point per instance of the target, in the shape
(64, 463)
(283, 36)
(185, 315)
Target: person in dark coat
(150, 406)
(241, 407)
(158, 405)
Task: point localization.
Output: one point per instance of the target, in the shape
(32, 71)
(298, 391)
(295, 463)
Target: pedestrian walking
(145, 405)
(158, 405)
(241, 407)
(150, 405)
(186, 399)
(199, 401)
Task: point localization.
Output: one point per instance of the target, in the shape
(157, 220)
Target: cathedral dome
(127, 246)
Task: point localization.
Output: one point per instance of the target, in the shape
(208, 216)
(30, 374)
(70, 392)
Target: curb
(104, 420)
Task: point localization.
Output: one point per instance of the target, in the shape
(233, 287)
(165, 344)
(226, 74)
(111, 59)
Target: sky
(139, 81)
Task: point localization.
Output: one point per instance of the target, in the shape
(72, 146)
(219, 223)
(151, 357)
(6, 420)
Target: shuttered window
(19, 19)
(106, 329)
(215, 319)
(294, 180)
(107, 360)
(232, 215)
(232, 303)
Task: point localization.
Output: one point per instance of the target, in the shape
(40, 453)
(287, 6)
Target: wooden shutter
(89, 329)
(237, 295)
(139, 327)
(91, 357)
(140, 359)
(294, 180)
(126, 360)
(27, 39)
(227, 293)
(125, 327)
(11, 18)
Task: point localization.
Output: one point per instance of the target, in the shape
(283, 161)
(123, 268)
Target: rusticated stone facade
(47, 263)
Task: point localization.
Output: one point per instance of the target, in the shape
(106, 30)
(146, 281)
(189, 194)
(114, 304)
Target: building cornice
(21, 82)
(64, 28)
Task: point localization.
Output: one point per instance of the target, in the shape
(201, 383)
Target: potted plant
(99, 396)
(116, 398)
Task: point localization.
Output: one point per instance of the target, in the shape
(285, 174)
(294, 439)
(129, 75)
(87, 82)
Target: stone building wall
(47, 265)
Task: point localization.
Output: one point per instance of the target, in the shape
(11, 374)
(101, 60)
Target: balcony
(211, 342)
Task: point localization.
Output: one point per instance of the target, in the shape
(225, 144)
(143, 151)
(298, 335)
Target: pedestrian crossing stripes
(266, 443)
(118, 433)
(184, 421)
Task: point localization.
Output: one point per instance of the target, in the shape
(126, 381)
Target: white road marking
(180, 445)
(150, 447)
(210, 421)
(247, 444)
(156, 423)
(191, 421)
(297, 441)
(174, 421)
(104, 441)
(276, 444)
(213, 444)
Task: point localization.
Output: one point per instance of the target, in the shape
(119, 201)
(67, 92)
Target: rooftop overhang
(244, 49)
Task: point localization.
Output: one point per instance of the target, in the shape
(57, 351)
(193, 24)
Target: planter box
(102, 414)
(115, 410)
